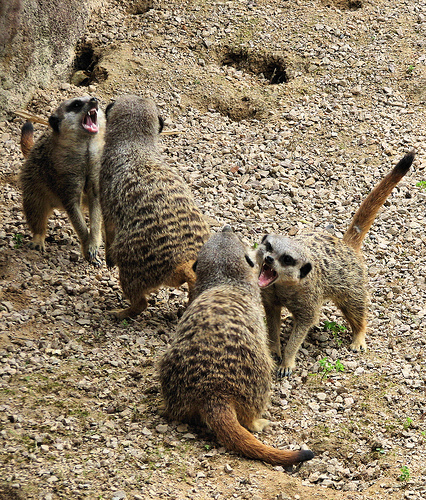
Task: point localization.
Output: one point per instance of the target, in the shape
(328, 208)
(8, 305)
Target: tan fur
(153, 229)
(27, 138)
(62, 171)
(218, 367)
(303, 273)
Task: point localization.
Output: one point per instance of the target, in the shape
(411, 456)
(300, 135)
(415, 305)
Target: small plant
(405, 473)
(327, 367)
(380, 450)
(338, 366)
(207, 447)
(407, 423)
(255, 246)
(421, 184)
(410, 69)
(335, 329)
(17, 238)
(125, 322)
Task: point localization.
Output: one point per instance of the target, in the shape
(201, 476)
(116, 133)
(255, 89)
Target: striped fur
(153, 229)
(218, 367)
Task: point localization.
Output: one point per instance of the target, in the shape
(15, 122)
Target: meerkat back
(218, 367)
(153, 227)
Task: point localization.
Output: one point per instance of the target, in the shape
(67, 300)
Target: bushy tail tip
(27, 138)
(222, 419)
(405, 163)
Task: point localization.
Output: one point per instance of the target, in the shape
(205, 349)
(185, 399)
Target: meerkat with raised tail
(153, 228)
(62, 171)
(218, 367)
(303, 273)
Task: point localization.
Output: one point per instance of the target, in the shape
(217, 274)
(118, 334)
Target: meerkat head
(281, 260)
(223, 258)
(80, 115)
(131, 115)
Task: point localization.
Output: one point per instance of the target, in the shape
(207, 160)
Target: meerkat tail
(27, 138)
(223, 421)
(367, 212)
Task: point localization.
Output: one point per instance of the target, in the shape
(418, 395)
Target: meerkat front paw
(358, 345)
(91, 255)
(37, 243)
(284, 371)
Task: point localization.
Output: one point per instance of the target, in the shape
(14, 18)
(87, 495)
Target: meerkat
(153, 228)
(303, 273)
(218, 367)
(62, 171)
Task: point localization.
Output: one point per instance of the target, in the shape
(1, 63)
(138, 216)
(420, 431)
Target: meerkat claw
(283, 372)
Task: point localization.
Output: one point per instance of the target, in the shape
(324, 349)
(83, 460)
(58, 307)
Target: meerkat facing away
(62, 171)
(218, 367)
(153, 229)
(303, 273)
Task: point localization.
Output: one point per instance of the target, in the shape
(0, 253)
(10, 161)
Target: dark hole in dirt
(236, 109)
(271, 66)
(86, 65)
(140, 6)
(344, 4)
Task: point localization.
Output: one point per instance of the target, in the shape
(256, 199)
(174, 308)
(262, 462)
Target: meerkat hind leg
(95, 233)
(273, 321)
(356, 316)
(37, 217)
(300, 330)
(132, 311)
(258, 424)
(183, 274)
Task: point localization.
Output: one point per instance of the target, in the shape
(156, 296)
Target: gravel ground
(286, 114)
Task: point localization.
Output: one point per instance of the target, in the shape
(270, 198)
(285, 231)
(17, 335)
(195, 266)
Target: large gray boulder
(37, 42)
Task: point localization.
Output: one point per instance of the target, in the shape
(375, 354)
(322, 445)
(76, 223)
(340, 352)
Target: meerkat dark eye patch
(286, 260)
(194, 266)
(75, 106)
(108, 108)
(264, 238)
(161, 121)
(249, 261)
(54, 122)
(305, 270)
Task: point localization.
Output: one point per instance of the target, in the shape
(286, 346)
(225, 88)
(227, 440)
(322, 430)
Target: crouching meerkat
(62, 171)
(153, 229)
(218, 367)
(302, 273)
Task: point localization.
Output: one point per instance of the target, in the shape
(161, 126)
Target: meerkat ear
(108, 108)
(249, 261)
(160, 119)
(194, 266)
(305, 270)
(227, 229)
(54, 122)
(264, 238)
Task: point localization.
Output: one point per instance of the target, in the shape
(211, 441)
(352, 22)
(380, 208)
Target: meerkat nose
(269, 260)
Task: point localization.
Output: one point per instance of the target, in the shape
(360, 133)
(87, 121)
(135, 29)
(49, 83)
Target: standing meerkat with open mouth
(218, 368)
(302, 273)
(153, 229)
(62, 171)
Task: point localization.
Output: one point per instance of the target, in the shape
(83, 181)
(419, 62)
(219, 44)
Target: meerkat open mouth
(267, 276)
(90, 121)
